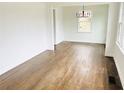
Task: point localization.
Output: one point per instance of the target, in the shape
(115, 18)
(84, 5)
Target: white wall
(59, 25)
(118, 55)
(50, 32)
(56, 36)
(113, 14)
(99, 24)
(119, 60)
(23, 31)
(112, 48)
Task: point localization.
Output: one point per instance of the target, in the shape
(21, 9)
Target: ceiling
(78, 3)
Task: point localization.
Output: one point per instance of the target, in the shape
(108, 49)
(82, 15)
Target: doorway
(54, 27)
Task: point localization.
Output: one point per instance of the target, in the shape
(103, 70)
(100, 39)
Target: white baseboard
(119, 72)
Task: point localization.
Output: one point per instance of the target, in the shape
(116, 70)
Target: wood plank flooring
(71, 66)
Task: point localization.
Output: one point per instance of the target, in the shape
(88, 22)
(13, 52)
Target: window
(120, 38)
(84, 24)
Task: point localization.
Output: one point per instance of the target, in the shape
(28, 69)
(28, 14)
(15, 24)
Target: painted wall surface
(59, 25)
(23, 31)
(50, 32)
(113, 14)
(119, 60)
(99, 24)
(118, 54)
(112, 48)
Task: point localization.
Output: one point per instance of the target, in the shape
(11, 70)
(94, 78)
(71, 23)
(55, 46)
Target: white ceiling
(78, 3)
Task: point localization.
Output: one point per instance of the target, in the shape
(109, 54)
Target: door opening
(54, 27)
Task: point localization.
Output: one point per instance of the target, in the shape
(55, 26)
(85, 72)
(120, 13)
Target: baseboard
(84, 42)
(119, 72)
(20, 63)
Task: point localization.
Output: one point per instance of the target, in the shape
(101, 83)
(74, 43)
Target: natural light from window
(84, 21)
(84, 24)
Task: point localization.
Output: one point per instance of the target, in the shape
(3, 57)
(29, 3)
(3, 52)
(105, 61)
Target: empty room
(61, 45)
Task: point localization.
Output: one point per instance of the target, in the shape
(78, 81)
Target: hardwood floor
(71, 66)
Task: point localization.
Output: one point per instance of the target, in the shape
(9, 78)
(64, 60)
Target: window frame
(120, 32)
